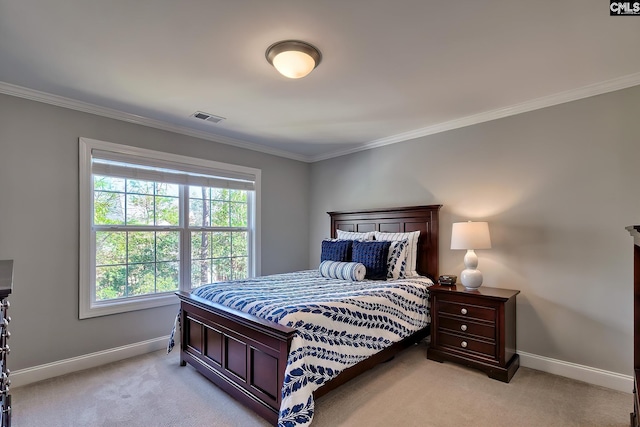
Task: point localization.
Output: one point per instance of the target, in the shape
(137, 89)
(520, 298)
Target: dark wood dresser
(635, 233)
(6, 286)
(476, 328)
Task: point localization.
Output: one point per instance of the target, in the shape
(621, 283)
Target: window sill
(126, 305)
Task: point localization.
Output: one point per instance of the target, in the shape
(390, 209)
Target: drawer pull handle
(463, 328)
(463, 344)
(463, 311)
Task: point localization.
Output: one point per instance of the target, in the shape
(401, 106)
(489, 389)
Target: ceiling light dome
(293, 58)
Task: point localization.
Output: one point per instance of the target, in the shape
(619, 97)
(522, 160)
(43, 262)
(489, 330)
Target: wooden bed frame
(246, 356)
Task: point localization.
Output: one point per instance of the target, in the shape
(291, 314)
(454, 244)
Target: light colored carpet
(153, 390)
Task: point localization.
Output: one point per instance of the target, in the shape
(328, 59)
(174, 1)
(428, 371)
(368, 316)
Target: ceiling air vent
(207, 117)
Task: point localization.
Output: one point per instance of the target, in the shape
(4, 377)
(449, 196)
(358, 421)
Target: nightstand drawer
(464, 309)
(467, 344)
(468, 328)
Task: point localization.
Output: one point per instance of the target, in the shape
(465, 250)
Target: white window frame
(88, 307)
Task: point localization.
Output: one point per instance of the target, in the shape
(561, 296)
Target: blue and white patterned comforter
(339, 324)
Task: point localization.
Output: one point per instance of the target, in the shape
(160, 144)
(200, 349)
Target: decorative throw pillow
(336, 250)
(397, 261)
(352, 235)
(353, 271)
(374, 256)
(412, 248)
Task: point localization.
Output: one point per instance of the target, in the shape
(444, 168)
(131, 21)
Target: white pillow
(412, 247)
(352, 235)
(353, 271)
(397, 261)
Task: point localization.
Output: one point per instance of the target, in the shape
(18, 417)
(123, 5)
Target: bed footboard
(247, 356)
(242, 354)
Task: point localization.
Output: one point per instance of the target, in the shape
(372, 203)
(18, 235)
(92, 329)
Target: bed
(247, 356)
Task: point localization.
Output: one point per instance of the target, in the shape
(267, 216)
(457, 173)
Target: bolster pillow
(353, 271)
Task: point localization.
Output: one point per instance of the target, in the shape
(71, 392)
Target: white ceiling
(391, 70)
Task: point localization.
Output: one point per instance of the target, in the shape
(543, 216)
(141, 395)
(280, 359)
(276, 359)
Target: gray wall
(39, 225)
(557, 185)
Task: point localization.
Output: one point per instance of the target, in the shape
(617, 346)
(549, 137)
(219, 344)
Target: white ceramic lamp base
(471, 277)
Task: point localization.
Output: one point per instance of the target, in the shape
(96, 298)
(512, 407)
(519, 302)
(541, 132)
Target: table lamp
(470, 235)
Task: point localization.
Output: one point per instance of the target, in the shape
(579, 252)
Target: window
(219, 234)
(154, 223)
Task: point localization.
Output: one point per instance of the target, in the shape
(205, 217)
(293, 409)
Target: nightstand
(476, 328)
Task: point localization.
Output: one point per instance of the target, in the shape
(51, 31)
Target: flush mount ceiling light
(293, 58)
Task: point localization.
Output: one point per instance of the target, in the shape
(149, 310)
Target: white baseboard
(574, 371)
(42, 372)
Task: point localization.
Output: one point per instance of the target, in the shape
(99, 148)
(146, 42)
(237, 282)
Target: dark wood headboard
(398, 220)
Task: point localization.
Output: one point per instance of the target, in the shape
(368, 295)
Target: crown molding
(61, 101)
(534, 104)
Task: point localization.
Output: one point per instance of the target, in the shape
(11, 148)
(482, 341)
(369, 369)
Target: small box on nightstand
(447, 280)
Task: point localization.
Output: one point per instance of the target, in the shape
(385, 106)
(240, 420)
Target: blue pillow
(336, 250)
(374, 256)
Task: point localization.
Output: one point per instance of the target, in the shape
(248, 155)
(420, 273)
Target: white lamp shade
(470, 235)
(294, 64)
